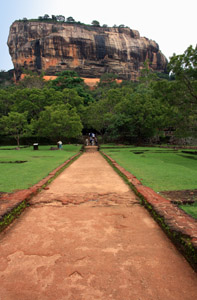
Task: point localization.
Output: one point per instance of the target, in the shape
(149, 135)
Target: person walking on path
(59, 145)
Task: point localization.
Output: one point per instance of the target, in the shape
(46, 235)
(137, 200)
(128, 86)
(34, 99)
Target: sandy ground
(86, 238)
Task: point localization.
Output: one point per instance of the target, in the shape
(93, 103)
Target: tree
(144, 113)
(108, 79)
(127, 115)
(184, 69)
(29, 101)
(95, 23)
(32, 80)
(54, 17)
(60, 18)
(6, 101)
(46, 17)
(33, 101)
(71, 80)
(71, 97)
(70, 20)
(96, 117)
(58, 122)
(147, 75)
(66, 79)
(6, 78)
(15, 124)
(100, 113)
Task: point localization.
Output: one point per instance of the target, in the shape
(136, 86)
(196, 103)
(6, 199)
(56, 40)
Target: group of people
(91, 139)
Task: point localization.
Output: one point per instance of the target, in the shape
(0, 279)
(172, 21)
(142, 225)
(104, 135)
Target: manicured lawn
(159, 168)
(190, 209)
(36, 165)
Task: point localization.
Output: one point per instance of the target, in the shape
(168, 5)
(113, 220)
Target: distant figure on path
(87, 142)
(59, 145)
(92, 138)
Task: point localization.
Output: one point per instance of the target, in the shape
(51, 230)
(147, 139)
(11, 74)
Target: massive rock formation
(90, 51)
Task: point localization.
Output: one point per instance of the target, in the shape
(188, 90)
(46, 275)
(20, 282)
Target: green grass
(160, 169)
(39, 163)
(190, 209)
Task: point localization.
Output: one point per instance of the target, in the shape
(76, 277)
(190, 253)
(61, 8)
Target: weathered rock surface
(90, 51)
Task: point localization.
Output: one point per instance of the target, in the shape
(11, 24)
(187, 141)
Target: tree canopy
(127, 111)
(15, 124)
(184, 90)
(58, 122)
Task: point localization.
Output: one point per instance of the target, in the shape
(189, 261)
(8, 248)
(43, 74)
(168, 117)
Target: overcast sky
(171, 23)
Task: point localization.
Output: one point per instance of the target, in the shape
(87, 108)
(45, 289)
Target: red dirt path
(86, 238)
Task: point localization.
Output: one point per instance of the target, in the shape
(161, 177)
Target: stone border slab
(180, 227)
(12, 204)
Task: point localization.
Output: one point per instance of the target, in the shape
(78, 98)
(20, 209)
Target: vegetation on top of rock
(95, 23)
(68, 20)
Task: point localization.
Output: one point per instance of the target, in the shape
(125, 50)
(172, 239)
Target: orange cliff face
(88, 50)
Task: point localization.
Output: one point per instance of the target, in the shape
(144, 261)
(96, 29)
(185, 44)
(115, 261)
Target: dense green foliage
(15, 124)
(124, 112)
(6, 78)
(58, 121)
(34, 166)
(184, 89)
(157, 168)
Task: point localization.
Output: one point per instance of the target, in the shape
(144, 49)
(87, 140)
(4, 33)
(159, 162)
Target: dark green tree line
(130, 111)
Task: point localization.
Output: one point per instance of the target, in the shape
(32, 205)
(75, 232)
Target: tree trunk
(18, 141)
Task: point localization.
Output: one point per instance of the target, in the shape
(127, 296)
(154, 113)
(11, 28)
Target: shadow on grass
(13, 162)
(188, 156)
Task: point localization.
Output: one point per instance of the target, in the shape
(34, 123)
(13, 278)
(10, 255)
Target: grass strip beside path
(23, 168)
(190, 209)
(157, 168)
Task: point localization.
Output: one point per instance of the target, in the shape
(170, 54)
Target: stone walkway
(86, 237)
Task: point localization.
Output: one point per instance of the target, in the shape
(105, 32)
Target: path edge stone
(18, 201)
(179, 226)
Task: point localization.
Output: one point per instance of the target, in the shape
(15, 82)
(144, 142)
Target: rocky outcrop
(90, 51)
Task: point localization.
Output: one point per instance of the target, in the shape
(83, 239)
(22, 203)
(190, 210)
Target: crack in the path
(75, 274)
(22, 253)
(42, 203)
(81, 258)
(87, 199)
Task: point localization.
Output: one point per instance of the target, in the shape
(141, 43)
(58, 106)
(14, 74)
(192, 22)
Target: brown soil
(85, 238)
(184, 196)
